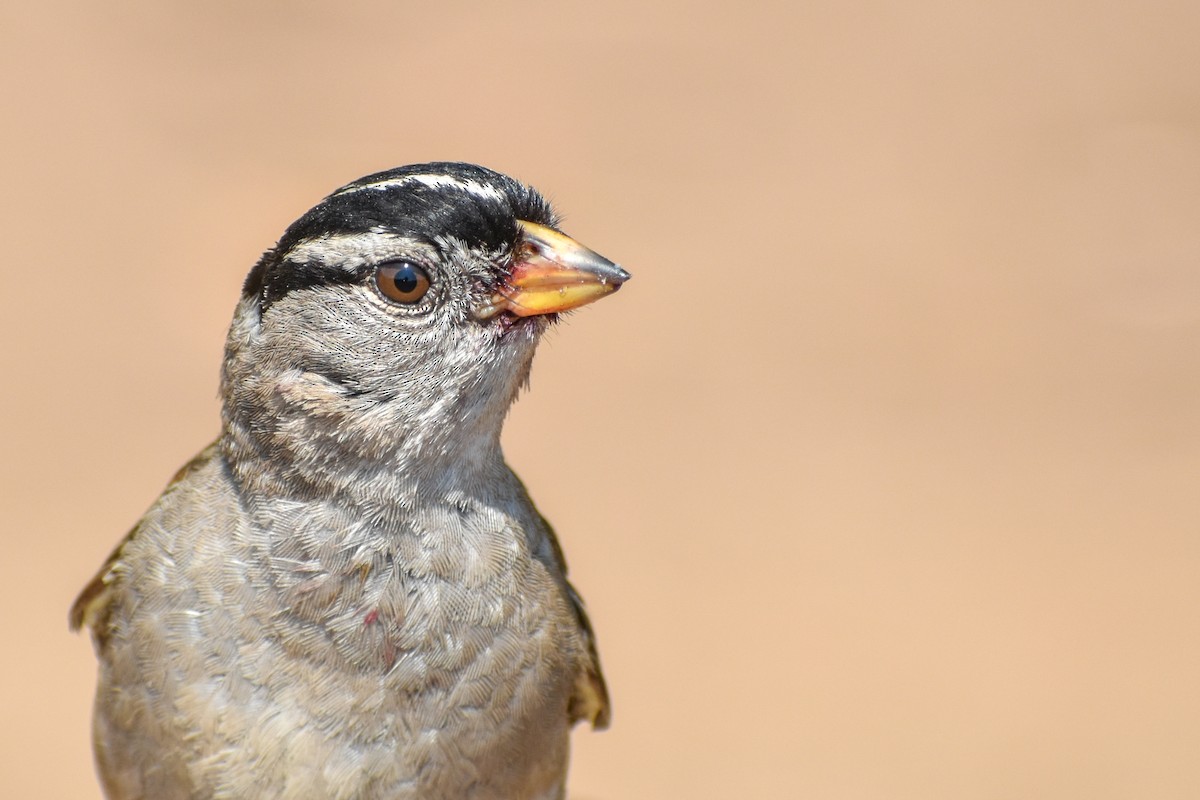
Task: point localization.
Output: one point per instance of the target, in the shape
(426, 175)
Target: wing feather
(91, 607)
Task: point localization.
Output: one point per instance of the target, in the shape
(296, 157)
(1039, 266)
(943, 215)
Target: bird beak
(552, 272)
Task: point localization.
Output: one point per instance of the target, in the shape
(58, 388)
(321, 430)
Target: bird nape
(349, 594)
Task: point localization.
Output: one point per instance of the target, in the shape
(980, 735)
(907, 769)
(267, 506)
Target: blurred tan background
(880, 476)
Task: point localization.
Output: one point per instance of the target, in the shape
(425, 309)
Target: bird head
(402, 311)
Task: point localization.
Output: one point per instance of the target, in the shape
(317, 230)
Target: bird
(350, 594)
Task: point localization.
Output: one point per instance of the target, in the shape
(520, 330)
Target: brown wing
(589, 700)
(92, 606)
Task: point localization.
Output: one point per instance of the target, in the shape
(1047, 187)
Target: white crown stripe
(433, 181)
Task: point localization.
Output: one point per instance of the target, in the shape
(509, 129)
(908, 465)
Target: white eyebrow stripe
(433, 181)
(349, 251)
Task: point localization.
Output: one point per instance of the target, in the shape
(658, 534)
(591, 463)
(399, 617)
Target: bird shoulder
(91, 607)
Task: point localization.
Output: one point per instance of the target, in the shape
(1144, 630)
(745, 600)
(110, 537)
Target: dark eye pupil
(406, 279)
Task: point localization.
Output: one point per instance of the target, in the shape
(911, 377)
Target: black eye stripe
(273, 278)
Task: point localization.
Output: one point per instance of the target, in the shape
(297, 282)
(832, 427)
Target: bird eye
(402, 281)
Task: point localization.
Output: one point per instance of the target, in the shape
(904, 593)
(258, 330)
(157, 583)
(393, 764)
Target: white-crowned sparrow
(349, 594)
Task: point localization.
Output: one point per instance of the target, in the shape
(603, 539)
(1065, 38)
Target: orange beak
(552, 272)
